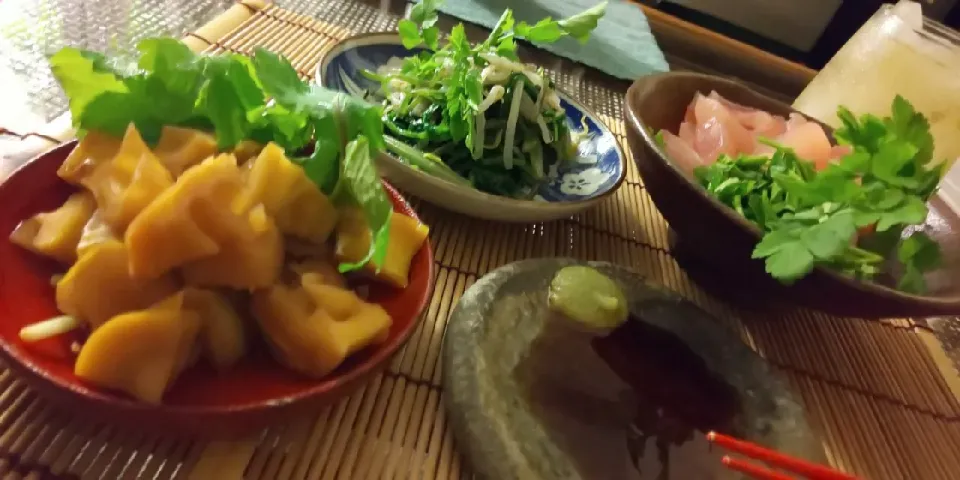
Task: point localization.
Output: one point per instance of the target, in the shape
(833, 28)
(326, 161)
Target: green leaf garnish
(230, 96)
(421, 26)
(463, 104)
(544, 31)
(580, 25)
(361, 186)
(811, 217)
(918, 254)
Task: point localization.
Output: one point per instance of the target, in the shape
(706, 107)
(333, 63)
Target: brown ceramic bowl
(722, 240)
(252, 394)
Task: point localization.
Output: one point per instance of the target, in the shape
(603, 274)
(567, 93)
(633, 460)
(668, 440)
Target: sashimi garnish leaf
(827, 217)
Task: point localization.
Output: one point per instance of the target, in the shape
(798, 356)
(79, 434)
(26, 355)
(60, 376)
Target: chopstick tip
(711, 436)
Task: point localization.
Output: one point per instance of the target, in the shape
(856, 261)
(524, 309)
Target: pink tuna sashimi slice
(718, 131)
(764, 150)
(688, 133)
(836, 153)
(759, 122)
(808, 141)
(689, 116)
(763, 124)
(796, 120)
(681, 152)
(713, 126)
(839, 151)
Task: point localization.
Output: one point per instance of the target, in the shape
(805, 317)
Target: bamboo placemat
(882, 394)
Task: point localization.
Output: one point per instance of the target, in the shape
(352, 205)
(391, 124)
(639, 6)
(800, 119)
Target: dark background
(848, 18)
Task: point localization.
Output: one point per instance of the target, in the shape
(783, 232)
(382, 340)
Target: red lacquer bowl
(202, 402)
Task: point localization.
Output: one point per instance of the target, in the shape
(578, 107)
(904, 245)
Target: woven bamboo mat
(878, 392)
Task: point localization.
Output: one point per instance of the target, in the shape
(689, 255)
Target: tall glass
(897, 51)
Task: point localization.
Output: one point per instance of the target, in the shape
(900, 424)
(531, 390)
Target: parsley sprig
(331, 135)
(851, 216)
(462, 87)
(476, 115)
(421, 27)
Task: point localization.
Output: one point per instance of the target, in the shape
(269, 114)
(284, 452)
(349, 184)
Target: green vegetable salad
(853, 216)
(331, 135)
(475, 115)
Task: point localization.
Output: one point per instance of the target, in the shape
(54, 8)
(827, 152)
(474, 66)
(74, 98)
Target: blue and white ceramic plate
(575, 186)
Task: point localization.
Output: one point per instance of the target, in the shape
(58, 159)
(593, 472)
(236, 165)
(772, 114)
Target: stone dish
(527, 402)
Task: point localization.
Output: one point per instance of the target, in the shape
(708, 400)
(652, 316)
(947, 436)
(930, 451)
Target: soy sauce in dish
(678, 397)
(673, 378)
(631, 404)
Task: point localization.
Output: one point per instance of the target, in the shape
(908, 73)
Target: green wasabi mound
(588, 298)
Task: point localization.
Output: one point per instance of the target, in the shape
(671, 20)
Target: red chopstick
(809, 470)
(753, 470)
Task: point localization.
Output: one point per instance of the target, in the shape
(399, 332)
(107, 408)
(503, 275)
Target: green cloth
(622, 44)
